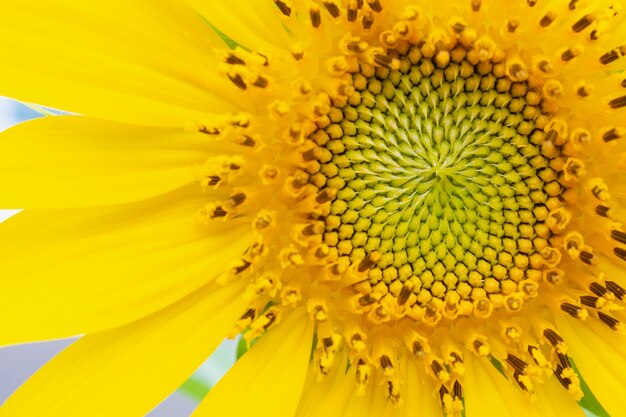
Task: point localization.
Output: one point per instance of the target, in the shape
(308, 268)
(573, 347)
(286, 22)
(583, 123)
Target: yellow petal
(70, 161)
(330, 395)
(489, 394)
(372, 403)
(127, 371)
(419, 395)
(600, 355)
(137, 61)
(71, 272)
(268, 380)
(553, 400)
(253, 24)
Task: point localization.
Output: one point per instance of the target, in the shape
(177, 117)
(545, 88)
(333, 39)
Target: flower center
(440, 175)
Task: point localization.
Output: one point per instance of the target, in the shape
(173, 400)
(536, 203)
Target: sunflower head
(436, 187)
(425, 184)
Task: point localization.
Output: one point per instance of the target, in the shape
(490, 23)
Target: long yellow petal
(268, 380)
(70, 161)
(419, 395)
(490, 394)
(373, 403)
(127, 371)
(70, 272)
(553, 401)
(600, 355)
(329, 396)
(139, 61)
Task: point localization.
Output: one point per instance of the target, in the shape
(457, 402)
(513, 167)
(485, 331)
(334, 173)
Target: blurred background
(17, 363)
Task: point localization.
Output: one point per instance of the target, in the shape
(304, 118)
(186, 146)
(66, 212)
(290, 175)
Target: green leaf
(242, 347)
(589, 402)
(195, 388)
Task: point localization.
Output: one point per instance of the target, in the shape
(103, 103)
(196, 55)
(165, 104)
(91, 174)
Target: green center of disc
(441, 171)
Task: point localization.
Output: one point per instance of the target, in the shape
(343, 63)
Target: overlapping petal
(127, 371)
(599, 354)
(70, 161)
(71, 272)
(268, 380)
(137, 61)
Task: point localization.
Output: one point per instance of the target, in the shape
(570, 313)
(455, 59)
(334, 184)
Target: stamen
(583, 23)
(284, 7)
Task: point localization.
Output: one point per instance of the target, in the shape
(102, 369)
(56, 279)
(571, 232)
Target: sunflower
(406, 207)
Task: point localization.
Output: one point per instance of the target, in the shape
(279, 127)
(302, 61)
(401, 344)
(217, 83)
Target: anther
(405, 292)
(481, 348)
(375, 5)
(555, 340)
(241, 120)
(332, 8)
(516, 362)
(297, 52)
(584, 90)
(574, 311)
(613, 55)
(583, 23)
(475, 4)
(603, 211)
(553, 275)
(385, 364)
(517, 71)
(325, 195)
(213, 211)
(616, 289)
(213, 180)
(236, 199)
(457, 390)
(523, 381)
(283, 7)
(620, 253)
(383, 60)
(233, 59)
(369, 261)
(315, 16)
(618, 236)
(617, 103)
(591, 301)
(439, 370)
(598, 289)
(367, 21)
(610, 321)
(237, 80)
(565, 382)
(568, 55)
(588, 258)
(613, 134)
(352, 11)
(363, 371)
(512, 25)
(547, 19)
(246, 140)
(418, 349)
(261, 82)
(212, 131)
